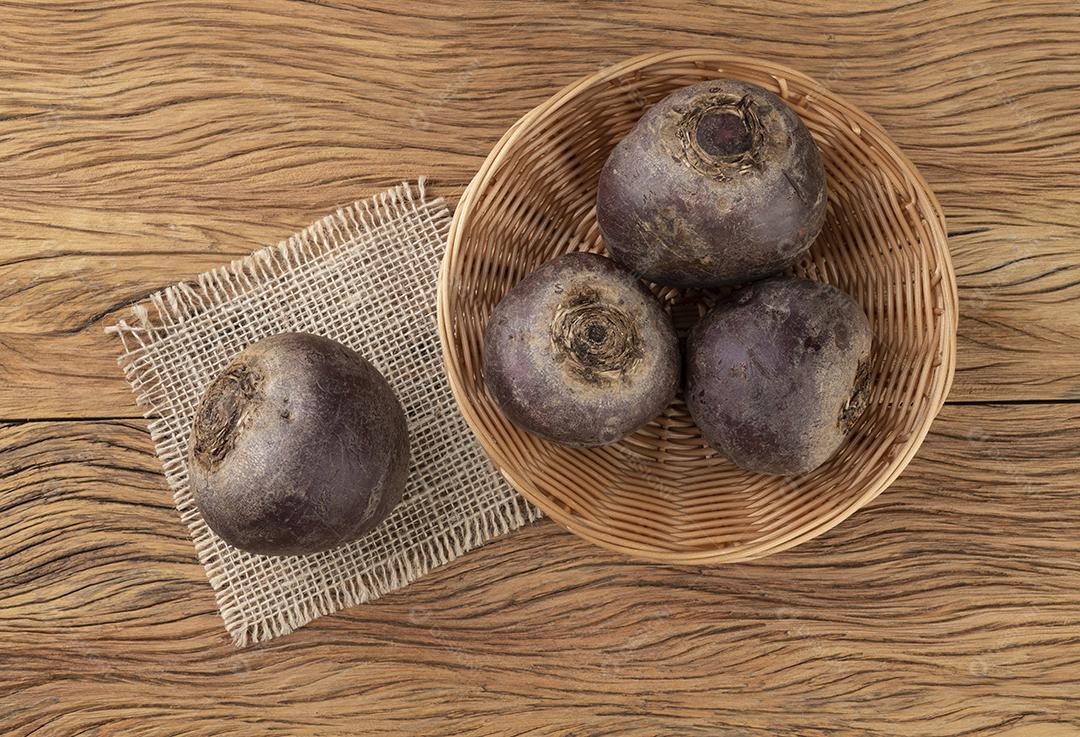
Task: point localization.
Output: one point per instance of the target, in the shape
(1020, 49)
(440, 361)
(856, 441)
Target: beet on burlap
(366, 277)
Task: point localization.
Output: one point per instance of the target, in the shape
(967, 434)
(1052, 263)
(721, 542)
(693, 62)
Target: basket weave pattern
(663, 494)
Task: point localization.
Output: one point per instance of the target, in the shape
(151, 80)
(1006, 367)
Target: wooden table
(142, 143)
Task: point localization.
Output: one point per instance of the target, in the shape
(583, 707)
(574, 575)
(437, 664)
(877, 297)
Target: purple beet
(718, 183)
(580, 352)
(778, 373)
(298, 446)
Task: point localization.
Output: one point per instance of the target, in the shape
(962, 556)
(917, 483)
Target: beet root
(299, 445)
(778, 373)
(580, 352)
(718, 183)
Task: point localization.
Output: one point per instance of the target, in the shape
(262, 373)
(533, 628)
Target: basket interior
(663, 493)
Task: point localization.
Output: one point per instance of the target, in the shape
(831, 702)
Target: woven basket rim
(858, 121)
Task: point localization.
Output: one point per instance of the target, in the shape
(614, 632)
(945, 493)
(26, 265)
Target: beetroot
(580, 353)
(298, 446)
(778, 373)
(718, 183)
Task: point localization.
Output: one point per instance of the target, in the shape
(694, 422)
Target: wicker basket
(662, 494)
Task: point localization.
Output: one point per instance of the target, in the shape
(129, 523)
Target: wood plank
(155, 140)
(948, 607)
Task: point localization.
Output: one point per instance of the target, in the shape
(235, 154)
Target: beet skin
(299, 446)
(580, 352)
(718, 183)
(777, 374)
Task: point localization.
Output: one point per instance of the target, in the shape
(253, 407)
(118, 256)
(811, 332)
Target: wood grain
(141, 143)
(947, 607)
(155, 140)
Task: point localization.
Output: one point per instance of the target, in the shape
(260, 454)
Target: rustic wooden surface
(141, 143)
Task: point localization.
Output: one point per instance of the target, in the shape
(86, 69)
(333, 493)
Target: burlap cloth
(364, 276)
